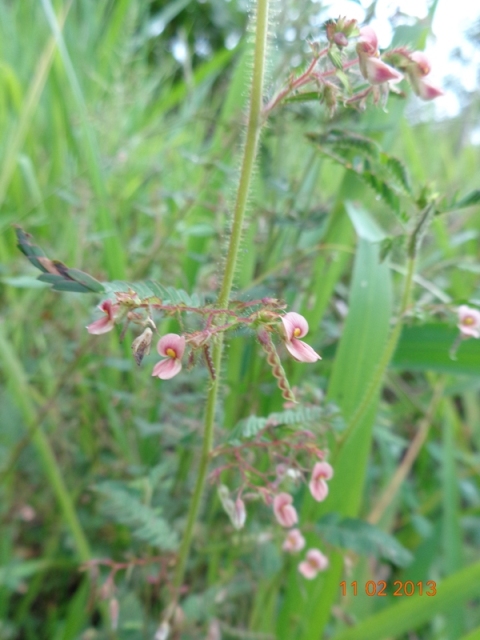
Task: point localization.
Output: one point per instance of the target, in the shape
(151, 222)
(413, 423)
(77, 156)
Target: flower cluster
(281, 502)
(382, 72)
(266, 321)
(287, 517)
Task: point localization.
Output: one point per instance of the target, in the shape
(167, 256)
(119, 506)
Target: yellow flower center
(171, 353)
(469, 320)
(297, 332)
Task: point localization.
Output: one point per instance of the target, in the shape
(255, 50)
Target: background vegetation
(121, 159)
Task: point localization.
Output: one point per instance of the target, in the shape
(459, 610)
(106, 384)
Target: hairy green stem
(388, 352)
(248, 161)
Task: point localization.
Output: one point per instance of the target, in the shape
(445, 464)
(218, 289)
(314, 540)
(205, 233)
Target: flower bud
(114, 611)
(141, 345)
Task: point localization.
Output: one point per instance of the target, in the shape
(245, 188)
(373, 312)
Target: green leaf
(427, 348)
(55, 272)
(469, 200)
(365, 225)
(123, 506)
(362, 538)
(335, 58)
(386, 192)
(151, 289)
(398, 170)
(249, 427)
(337, 140)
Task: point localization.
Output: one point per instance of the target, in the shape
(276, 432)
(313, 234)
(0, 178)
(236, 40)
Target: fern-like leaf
(145, 523)
(398, 171)
(362, 538)
(251, 426)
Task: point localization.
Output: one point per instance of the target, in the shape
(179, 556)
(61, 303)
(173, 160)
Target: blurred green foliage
(122, 161)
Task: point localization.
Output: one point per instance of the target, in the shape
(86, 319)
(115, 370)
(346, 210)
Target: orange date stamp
(398, 589)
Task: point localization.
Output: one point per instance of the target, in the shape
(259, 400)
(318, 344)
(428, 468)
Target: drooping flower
(294, 541)
(284, 511)
(171, 346)
(417, 69)
(314, 562)
(295, 327)
(373, 69)
(107, 322)
(378, 72)
(468, 321)
(239, 514)
(367, 42)
(322, 471)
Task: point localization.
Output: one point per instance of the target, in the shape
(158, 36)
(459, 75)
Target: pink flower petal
(423, 63)
(295, 325)
(171, 341)
(469, 321)
(318, 489)
(322, 470)
(378, 72)
(368, 41)
(103, 325)
(294, 541)
(284, 511)
(302, 351)
(307, 570)
(427, 91)
(317, 560)
(166, 369)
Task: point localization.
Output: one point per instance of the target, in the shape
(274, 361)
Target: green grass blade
(453, 592)
(13, 369)
(114, 255)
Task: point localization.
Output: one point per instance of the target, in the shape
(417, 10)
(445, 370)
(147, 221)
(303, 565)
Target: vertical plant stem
(386, 357)
(248, 161)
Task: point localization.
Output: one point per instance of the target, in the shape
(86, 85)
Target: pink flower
(377, 72)
(318, 487)
(367, 42)
(171, 346)
(373, 69)
(314, 562)
(468, 322)
(294, 541)
(417, 69)
(284, 511)
(295, 327)
(426, 91)
(422, 62)
(105, 324)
